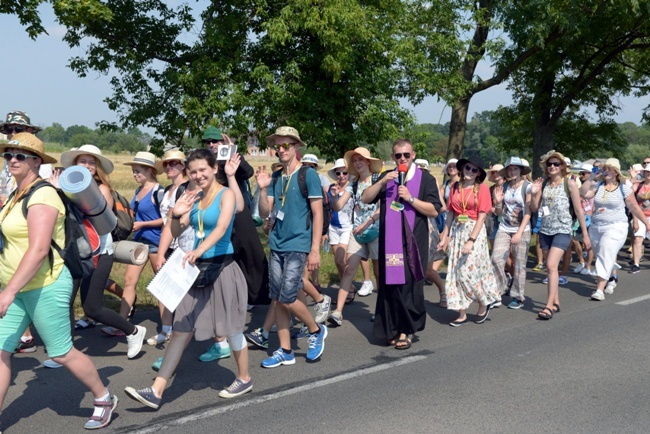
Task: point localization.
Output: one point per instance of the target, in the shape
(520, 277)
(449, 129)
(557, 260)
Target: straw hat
(171, 155)
(422, 163)
(311, 159)
(28, 142)
(338, 164)
(146, 159)
(68, 157)
(476, 161)
(551, 154)
(17, 117)
(451, 161)
(285, 132)
(515, 161)
(375, 163)
(614, 164)
(495, 169)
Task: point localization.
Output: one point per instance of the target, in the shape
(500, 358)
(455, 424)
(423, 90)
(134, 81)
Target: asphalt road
(586, 370)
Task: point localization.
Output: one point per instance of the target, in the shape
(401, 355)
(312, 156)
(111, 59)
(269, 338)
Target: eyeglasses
(646, 162)
(553, 163)
(471, 169)
(406, 156)
(19, 157)
(208, 141)
(172, 163)
(341, 173)
(284, 146)
(10, 130)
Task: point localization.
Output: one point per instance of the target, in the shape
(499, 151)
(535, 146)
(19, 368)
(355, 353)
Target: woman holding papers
(216, 304)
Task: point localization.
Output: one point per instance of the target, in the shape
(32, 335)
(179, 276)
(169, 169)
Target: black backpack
(78, 252)
(125, 219)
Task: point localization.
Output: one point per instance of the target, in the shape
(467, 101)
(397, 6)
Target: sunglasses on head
(172, 163)
(19, 157)
(341, 173)
(14, 130)
(406, 156)
(553, 163)
(471, 169)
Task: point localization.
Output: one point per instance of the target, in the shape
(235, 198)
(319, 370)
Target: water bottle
(326, 247)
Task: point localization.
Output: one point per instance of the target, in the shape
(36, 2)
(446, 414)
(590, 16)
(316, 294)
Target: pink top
(465, 201)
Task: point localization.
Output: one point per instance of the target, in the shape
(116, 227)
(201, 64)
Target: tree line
(114, 141)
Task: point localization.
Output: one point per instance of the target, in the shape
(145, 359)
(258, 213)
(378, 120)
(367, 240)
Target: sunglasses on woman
(471, 169)
(341, 173)
(171, 163)
(19, 157)
(553, 163)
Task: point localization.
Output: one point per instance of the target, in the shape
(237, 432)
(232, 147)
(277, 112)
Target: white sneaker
(586, 271)
(598, 295)
(366, 289)
(579, 268)
(609, 288)
(322, 309)
(135, 342)
(49, 363)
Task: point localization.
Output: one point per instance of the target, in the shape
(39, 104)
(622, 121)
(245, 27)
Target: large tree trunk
(457, 128)
(543, 142)
(545, 124)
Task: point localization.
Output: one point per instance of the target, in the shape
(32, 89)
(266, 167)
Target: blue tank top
(146, 211)
(210, 217)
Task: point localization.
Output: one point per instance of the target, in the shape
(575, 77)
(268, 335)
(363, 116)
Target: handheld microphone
(401, 170)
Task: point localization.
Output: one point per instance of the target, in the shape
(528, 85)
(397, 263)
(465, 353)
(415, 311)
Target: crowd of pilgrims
(476, 222)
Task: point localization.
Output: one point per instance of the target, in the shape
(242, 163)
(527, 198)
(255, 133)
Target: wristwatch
(411, 200)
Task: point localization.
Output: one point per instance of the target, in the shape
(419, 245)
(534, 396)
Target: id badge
(200, 234)
(463, 218)
(396, 206)
(546, 211)
(280, 215)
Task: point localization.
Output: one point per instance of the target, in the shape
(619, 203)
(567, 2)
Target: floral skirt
(469, 277)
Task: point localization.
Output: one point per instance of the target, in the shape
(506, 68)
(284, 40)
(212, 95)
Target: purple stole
(393, 241)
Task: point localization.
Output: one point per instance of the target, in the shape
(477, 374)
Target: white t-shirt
(513, 208)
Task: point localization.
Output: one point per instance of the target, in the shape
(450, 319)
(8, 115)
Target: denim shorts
(49, 309)
(285, 275)
(561, 241)
(153, 247)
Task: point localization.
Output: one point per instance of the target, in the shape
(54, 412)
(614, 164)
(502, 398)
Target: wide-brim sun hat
(146, 159)
(68, 157)
(311, 159)
(171, 155)
(28, 142)
(476, 161)
(646, 168)
(515, 161)
(422, 163)
(451, 161)
(551, 154)
(375, 163)
(584, 167)
(494, 170)
(19, 118)
(285, 132)
(338, 164)
(613, 163)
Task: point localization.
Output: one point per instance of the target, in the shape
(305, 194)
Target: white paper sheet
(172, 281)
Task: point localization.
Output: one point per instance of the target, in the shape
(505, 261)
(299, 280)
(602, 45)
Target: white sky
(37, 81)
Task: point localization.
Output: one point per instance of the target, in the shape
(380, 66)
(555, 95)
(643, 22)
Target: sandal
(84, 323)
(159, 339)
(97, 422)
(556, 308)
(544, 315)
(443, 300)
(405, 343)
(351, 295)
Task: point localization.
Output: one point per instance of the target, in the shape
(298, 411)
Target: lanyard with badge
(7, 209)
(549, 200)
(463, 217)
(285, 189)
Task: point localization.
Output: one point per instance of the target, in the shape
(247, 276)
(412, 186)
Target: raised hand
(232, 165)
(537, 186)
(262, 177)
(498, 194)
(185, 203)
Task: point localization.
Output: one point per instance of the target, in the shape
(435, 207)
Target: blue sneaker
(317, 344)
(215, 353)
(157, 364)
(256, 337)
(144, 396)
(563, 280)
(278, 358)
(301, 334)
(516, 304)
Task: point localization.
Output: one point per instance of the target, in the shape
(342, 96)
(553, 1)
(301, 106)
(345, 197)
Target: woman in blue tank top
(216, 304)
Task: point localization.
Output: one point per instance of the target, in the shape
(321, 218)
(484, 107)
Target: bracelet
(176, 217)
(471, 239)
(373, 219)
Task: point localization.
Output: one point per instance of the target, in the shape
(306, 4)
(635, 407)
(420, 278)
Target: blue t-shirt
(291, 233)
(210, 217)
(146, 211)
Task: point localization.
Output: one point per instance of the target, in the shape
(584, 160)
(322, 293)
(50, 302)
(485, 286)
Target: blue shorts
(561, 241)
(153, 247)
(285, 275)
(48, 309)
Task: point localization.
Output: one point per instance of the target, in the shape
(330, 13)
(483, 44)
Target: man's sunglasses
(208, 141)
(553, 163)
(283, 145)
(406, 156)
(19, 157)
(14, 130)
